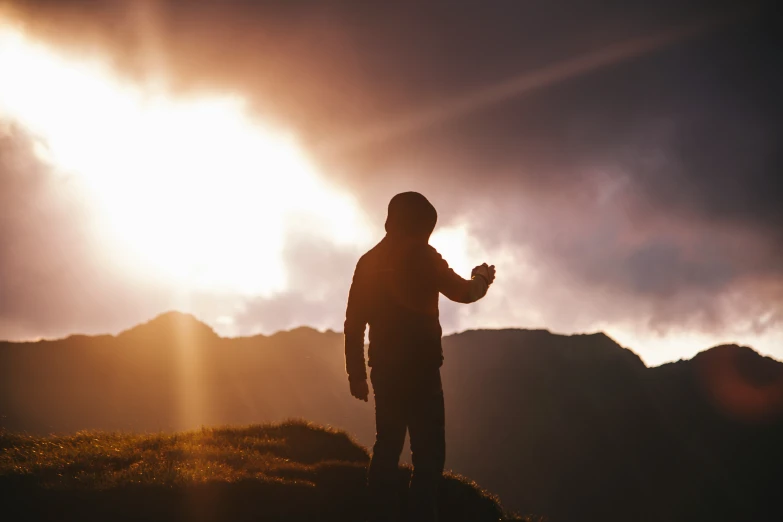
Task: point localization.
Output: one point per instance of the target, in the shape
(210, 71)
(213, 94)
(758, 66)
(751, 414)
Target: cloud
(320, 274)
(53, 279)
(645, 194)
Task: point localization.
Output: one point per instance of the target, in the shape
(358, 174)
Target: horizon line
(331, 331)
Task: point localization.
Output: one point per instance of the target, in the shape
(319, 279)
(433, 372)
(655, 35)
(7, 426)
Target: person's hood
(411, 216)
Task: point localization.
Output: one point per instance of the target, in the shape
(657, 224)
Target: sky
(619, 162)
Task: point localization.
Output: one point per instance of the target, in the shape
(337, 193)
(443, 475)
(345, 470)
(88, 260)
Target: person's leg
(427, 426)
(390, 427)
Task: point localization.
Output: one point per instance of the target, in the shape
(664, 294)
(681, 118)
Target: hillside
(292, 471)
(574, 427)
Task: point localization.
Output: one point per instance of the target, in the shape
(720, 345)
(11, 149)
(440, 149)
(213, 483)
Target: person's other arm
(463, 290)
(354, 327)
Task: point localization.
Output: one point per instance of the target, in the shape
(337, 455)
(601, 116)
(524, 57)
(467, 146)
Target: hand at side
(359, 389)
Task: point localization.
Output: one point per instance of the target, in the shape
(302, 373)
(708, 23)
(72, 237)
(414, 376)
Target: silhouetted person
(395, 290)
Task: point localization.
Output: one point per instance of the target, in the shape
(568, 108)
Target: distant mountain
(595, 435)
(573, 427)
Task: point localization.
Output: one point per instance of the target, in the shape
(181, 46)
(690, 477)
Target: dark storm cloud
(654, 181)
(334, 69)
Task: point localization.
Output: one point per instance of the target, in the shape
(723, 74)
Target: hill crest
(288, 471)
(175, 323)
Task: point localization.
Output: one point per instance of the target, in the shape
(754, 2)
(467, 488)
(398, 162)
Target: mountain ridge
(174, 318)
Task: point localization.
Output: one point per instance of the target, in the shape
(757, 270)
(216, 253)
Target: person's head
(412, 216)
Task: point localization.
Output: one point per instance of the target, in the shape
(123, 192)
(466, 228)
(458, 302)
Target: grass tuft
(293, 470)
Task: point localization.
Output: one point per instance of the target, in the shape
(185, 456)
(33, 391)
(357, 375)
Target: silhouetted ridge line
(598, 344)
(171, 323)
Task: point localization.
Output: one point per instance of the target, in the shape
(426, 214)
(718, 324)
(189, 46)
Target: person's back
(395, 291)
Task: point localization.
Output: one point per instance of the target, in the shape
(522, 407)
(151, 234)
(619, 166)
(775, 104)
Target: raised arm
(463, 290)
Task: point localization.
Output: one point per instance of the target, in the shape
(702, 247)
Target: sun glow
(453, 243)
(189, 189)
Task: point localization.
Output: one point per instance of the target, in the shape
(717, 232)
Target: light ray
(520, 85)
(192, 190)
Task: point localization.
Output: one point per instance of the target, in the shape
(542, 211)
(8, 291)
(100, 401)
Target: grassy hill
(288, 471)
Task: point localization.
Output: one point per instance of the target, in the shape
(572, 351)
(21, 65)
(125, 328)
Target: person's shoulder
(429, 258)
(431, 251)
(371, 255)
(432, 254)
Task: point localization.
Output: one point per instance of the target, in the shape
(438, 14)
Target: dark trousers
(413, 403)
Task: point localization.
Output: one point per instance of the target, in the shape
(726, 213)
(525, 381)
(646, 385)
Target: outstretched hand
(487, 272)
(359, 389)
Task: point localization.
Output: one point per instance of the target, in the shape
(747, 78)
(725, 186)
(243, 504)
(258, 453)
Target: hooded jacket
(395, 290)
